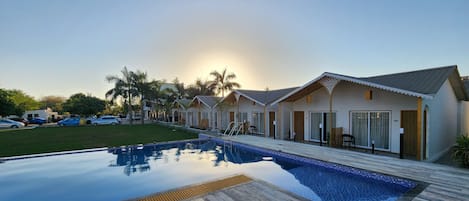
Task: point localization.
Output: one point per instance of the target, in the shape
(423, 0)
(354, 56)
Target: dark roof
(209, 100)
(422, 83)
(427, 81)
(466, 85)
(267, 96)
(183, 102)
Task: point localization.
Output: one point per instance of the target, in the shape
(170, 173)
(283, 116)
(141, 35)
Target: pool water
(118, 175)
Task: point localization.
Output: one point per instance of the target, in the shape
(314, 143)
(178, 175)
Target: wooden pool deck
(444, 182)
(235, 188)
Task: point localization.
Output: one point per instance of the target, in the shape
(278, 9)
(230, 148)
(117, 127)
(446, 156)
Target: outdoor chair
(348, 140)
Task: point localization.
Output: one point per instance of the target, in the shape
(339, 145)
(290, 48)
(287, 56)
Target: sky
(56, 47)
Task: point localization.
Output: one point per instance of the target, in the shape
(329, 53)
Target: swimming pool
(119, 174)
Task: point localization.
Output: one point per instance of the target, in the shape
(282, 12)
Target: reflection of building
(134, 159)
(46, 114)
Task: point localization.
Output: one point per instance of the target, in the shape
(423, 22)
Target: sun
(205, 62)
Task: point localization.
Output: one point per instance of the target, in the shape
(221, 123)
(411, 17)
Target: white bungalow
(202, 113)
(253, 108)
(429, 106)
(179, 111)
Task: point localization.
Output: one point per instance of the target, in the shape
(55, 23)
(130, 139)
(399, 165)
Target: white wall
(464, 118)
(195, 115)
(443, 121)
(349, 97)
(244, 105)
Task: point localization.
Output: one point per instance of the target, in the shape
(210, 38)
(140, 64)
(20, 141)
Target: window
(215, 120)
(190, 117)
(242, 117)
(321, 118)
(258, 122)
(204, 115)
(371, 126)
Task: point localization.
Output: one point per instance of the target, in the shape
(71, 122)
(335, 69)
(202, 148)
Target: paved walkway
(444, 182)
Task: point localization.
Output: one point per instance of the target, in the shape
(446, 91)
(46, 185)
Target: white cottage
(179, 111)
(253, 108)
(202, 113)
(429, 106)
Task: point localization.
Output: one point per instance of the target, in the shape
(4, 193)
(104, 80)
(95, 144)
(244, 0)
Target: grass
(53, 139)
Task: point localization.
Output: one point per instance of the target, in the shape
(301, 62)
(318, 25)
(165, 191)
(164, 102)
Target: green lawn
(52, 139)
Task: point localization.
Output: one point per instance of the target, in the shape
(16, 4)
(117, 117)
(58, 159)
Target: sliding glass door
(323, 119)
(369, 127)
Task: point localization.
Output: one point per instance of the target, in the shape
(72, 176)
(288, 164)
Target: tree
(143, 89)
(124, 87)
(53, 102)
(22, 102)
(7, 106)
(223, 82)
(180, 90)
(204, 88)
(84, 104)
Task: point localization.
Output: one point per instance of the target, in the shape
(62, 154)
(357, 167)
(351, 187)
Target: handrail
(228, 128)
(233, 128)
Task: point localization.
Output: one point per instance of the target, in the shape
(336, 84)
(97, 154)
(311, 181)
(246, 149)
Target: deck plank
(445, 182)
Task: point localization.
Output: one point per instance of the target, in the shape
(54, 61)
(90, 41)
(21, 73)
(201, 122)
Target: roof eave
(357, 81)
(250, 98)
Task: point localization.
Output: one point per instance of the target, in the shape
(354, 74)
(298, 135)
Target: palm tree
(180, 90)
(124, 87)
(142, 86)
(222, 81)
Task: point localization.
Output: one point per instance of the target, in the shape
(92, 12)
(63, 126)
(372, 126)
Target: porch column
(419, 128)
(266, 125)
(237, 97)
(329, 84)
(279, 122)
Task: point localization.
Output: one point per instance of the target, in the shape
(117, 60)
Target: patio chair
(348, 140)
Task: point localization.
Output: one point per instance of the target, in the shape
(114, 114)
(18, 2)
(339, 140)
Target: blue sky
(55, 47)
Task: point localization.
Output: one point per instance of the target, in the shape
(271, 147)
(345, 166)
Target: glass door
(319, 125)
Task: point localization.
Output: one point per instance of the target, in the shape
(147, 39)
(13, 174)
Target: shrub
(461, 151)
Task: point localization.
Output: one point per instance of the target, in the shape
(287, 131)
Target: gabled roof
(209, 101)
(421, 83)
(427, 81)
(262, 97)
(184, 103)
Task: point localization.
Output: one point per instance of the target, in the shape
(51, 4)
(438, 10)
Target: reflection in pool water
(136, 172)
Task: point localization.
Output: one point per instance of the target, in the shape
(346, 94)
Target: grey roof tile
(209, 100)
(427, 81)
(266, 97)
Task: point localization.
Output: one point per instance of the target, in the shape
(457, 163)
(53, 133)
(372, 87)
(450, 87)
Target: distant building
(47, 114)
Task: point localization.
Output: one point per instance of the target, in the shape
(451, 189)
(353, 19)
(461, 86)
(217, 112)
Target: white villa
(429, 106)
(202, 112)
(252, 108)
(179, 111)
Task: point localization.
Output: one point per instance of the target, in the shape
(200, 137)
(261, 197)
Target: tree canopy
(53, 102)
(223, 81)
(7, 106)
(84, 104)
